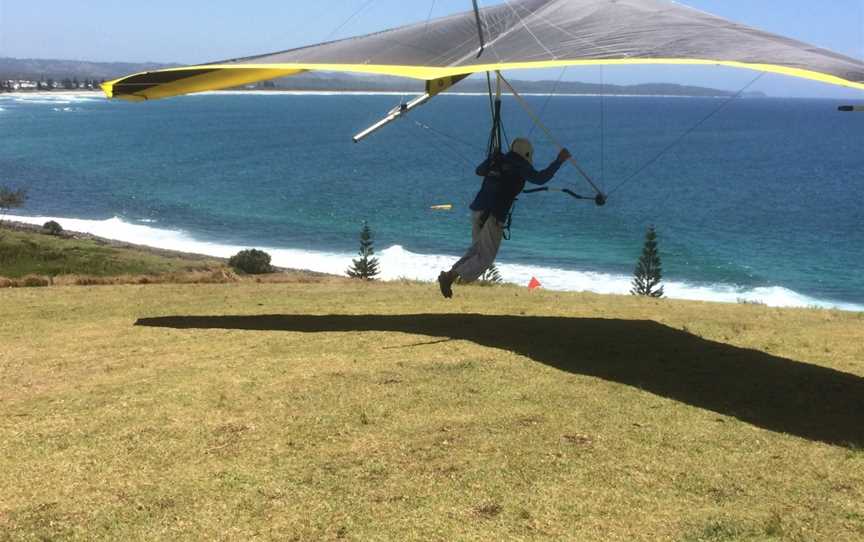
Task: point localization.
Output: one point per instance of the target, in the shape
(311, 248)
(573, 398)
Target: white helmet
(523, 148)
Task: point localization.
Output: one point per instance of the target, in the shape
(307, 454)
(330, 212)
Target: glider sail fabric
(522, 34)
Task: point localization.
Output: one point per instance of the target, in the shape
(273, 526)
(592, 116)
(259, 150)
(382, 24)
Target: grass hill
(331, 409)
(28, 252)
(30, 256)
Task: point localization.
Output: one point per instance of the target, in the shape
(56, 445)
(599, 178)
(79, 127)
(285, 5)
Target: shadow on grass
(774, 393)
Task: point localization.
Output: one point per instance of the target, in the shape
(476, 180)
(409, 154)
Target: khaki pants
(486, 236)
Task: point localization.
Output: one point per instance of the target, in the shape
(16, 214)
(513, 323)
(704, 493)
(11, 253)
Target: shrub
(251, 261)
(52, 228)
(93, 281)
(33, 281)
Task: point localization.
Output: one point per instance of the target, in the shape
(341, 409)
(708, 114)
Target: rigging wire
(596, 47)
(861, 27)
(438, 146)
(445, 136)
(525, 26)
(602, 124)
(479, 29)
(546, 103)
(680, 138)
(491, 101)
(478, 20)
(504, 133)
(572, 159)
(860, 40)
(349, 19)
(429, 17)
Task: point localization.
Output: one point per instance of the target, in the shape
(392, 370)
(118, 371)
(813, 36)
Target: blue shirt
(504, 177)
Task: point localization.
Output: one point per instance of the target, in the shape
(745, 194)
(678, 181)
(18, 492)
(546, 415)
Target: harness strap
(505, 233)
(506, 229)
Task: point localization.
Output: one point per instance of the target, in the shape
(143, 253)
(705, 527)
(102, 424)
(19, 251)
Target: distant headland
(30, 75)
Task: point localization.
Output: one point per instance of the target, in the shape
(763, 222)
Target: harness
(505, 232)
(494, 149)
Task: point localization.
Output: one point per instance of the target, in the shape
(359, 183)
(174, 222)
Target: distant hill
(43, 69)
(36, 69)
(340, 81)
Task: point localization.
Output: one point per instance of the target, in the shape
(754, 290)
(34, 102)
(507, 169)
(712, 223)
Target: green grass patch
(367, 411)
(25, 253)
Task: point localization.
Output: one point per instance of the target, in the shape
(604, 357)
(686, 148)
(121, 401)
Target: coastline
(708, 274)
(14, 225)
(41, 94)
(398, 264)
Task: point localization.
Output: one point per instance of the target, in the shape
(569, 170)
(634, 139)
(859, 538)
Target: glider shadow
(774, 393)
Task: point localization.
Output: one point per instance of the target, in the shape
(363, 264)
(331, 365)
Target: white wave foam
(43, 102)
(398, 263)
(50, 98)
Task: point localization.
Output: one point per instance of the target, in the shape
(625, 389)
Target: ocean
(764, 202)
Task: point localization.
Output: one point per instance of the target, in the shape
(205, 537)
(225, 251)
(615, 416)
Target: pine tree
(648, 270)
(11, 199)
(367, 266)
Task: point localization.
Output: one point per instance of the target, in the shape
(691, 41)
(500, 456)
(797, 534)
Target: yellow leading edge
(223, 76)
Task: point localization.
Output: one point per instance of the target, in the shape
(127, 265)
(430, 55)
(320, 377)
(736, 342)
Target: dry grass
(346, 410)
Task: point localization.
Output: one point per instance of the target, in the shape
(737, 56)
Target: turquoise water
(765, 201)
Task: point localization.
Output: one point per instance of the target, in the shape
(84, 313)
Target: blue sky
(192, 31)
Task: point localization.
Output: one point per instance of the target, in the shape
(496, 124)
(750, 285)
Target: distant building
(19, 84)
(47, 84)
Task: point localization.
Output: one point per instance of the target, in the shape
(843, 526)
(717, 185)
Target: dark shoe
(445, 283)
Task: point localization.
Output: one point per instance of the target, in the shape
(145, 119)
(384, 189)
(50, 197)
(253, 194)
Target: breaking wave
(398, 263)
(47, 98)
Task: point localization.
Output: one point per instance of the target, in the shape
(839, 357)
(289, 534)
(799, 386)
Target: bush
(52, 228)
(34, 281)
(251, 261)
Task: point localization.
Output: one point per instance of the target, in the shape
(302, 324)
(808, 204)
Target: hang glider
(520, 34)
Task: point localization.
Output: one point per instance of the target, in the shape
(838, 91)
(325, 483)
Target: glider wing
(522, 34)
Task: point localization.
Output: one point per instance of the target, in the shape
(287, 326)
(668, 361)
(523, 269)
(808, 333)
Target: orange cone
(534, 284)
